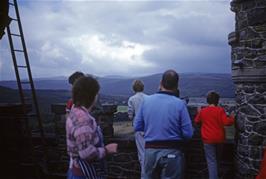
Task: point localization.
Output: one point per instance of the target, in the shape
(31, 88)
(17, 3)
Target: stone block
(248, 34)
(264, 43)
(256, 140)
(261, 3)
(249, 89)
(256, 43)
(257, 99)
(257, 16)
(241, 122)
(260, 128)
(242, 24)
(259, 64)
(261, 88)
(247, 5)
(253, 119)
(250, 53)
(260, 28)
(250, 110)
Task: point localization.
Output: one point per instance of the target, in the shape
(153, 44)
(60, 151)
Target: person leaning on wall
(84, 137)
(213, 119)
(134, 103)
(166, 123)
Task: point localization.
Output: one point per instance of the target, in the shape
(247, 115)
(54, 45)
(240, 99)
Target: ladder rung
(22, 66)
(17, 35)
(14, 19)
(12, 4)
(19, 50)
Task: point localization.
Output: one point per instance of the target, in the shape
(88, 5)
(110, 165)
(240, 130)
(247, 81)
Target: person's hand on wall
(232, 114)
(111, 148)
(198, 109)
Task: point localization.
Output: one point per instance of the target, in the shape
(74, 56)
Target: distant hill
(192, 85)
(4, 89)
(8, 95)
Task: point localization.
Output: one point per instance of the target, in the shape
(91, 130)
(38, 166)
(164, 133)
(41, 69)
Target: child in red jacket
(72, 78)
(213, 119)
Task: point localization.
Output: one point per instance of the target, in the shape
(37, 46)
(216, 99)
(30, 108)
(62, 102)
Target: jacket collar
(167, 92)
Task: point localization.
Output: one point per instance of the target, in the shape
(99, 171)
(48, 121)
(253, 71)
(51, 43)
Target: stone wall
(16, 142)
(249, 74)
(125, 165)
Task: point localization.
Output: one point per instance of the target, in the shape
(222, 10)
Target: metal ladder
(25, 86)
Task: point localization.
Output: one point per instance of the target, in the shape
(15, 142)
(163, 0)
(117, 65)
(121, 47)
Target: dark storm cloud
(124, 37)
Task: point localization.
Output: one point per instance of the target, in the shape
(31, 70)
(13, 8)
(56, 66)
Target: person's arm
(84, 136)
(139, 120)
(186, 126)
(130, 109)
(197, 119)
(227, 121)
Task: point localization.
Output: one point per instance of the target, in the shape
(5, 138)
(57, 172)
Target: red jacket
(262, 173)
(69, 105)
(213, 119)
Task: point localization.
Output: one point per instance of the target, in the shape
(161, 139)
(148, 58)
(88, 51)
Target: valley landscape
(116, 90)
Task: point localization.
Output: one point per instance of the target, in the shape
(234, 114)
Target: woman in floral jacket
(84, 137)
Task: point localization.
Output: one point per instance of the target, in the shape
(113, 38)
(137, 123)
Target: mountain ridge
(191, 84)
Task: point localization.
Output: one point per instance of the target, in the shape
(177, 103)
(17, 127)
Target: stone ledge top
(254, 75)
(14, 109)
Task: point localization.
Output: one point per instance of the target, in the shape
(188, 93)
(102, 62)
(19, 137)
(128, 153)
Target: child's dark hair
(76, 75)
(213, 98)
(84, 91)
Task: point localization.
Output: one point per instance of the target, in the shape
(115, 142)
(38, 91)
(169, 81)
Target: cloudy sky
(127, 38)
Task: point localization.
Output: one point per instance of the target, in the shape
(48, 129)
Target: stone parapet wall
(125, 164)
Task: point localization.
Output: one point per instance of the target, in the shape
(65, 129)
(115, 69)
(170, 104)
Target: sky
(124, 38)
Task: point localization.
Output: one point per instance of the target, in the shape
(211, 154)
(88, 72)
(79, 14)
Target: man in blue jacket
(166, 124)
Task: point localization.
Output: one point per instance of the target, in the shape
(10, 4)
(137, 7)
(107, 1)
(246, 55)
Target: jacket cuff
(102, 152)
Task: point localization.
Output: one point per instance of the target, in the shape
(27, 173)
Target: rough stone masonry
(249, 75)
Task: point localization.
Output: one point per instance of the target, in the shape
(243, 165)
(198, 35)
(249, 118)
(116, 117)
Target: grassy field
(123, 129)
(121, 108)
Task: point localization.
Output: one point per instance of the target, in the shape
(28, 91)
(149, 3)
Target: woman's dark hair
(76, 75)
(213, 98)
(84, 91)
(170, 80)
(138, 86)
